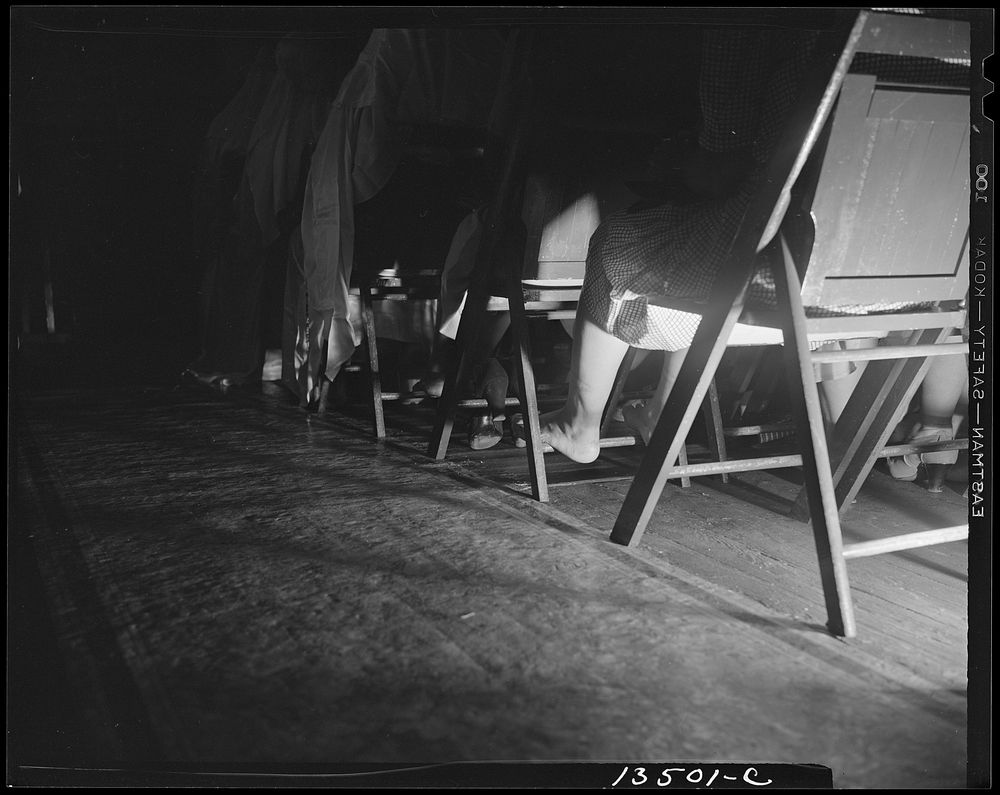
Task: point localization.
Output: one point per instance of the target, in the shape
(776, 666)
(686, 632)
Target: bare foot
(573, 439)
(636, 418)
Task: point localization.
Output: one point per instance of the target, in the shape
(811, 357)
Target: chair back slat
(916, 36)
(875, 181)
(891, 206)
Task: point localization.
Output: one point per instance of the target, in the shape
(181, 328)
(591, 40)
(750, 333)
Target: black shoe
(485, 432)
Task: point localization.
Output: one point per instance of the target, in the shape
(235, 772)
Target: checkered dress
(749, 82)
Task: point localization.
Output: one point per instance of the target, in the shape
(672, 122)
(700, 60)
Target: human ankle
(938, 423)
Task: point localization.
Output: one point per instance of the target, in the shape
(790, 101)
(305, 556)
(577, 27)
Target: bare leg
(836, 391)
(942, 390)
(643, 417)
(962, 409)
(444, 348)
(640, 353)
(495, 327)
(575, 429)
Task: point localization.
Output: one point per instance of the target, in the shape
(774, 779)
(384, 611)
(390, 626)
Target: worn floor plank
(280, 588)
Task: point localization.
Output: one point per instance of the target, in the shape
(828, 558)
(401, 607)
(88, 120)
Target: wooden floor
(219, 583)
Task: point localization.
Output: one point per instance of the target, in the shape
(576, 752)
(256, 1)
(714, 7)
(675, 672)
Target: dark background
(108, 109)
(109, 106)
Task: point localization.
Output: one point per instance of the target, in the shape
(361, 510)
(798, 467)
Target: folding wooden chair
(422, 287)
(443, 145)
(889, 203)
(557, 209)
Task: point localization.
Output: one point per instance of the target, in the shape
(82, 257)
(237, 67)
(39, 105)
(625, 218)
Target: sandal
(218, 382)
(520, 433)
(630, 421)
(936, 463)
(427, 387)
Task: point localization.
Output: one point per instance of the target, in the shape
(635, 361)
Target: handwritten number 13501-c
(694, 775)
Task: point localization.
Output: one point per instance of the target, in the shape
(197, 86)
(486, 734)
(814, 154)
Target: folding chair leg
(713, 422)
(502, 209)
(749, 364)
(678, 415)
(716, 439)
(808, 414)
(878, 403)
(666, 443)
(456, 370)
(878, 385)
(682, 460)
(767, 373)
(444, 420)
(822, 501)
(324, 397)
(528, 395)
(374, 376)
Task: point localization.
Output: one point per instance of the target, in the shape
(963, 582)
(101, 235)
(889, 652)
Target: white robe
(403, 77)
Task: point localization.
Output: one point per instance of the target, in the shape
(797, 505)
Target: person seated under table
(748, 81)
(675, 247)
(405, 79)
(942, 403)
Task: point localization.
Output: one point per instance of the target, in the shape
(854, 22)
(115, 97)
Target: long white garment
(288, 124)
(243, 305)
(402, 77)
(215, 208)
(229, 132)
(457, 274)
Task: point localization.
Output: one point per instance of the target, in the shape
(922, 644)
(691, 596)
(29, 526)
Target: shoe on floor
(485, 432)
(905, 467)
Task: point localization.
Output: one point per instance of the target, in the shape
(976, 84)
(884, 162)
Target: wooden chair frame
(832, 476)
(525, 300)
